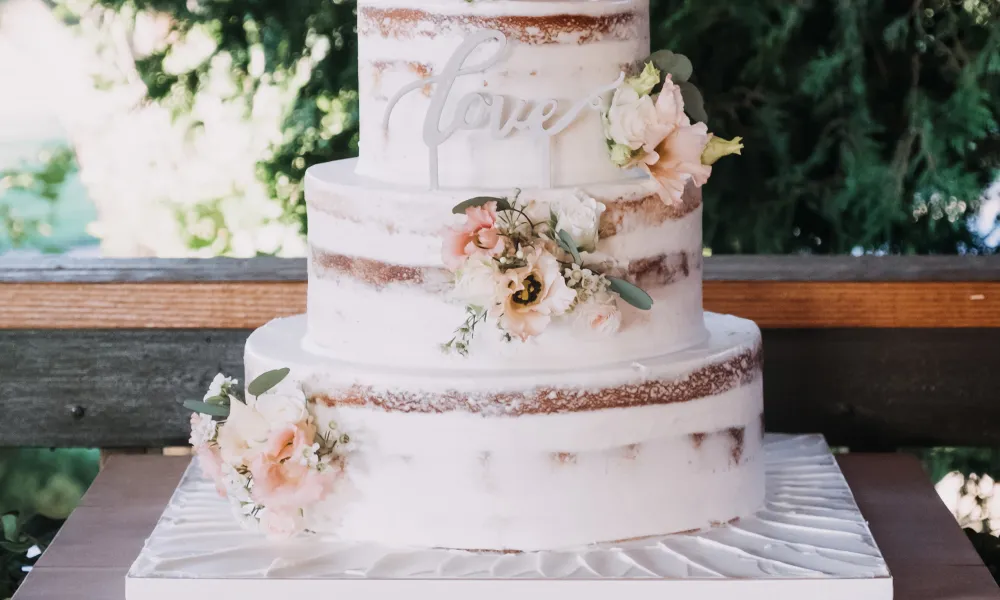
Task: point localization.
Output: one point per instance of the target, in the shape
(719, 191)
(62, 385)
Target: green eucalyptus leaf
(213, 410)
(694, 103)
(478, 201)
(265, 381)
(677, 65)
(568, 244)
(630, 293)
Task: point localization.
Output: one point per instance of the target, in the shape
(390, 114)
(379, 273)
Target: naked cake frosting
(505, 347)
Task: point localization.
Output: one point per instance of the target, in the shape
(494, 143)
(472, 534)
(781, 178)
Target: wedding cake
(505, 347)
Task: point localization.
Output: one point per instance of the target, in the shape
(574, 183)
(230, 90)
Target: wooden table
(927, 553)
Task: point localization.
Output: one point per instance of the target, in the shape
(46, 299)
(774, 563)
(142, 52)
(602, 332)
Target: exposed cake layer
(379, 292)
(530, 460)
(556, 50)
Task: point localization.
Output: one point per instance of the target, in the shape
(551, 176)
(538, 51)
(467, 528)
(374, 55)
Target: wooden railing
(874, 351)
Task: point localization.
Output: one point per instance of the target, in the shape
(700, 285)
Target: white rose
(476, 282)
(244, 431)
(215, 388)
(600, 315)
(580, 217)
(630, 118)
(282, 407)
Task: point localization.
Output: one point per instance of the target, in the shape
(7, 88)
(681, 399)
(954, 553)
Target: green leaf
(214, 410)
(478, 201)
(632, 294)
(266, 381)
(10, 527)
(694, 103)
(568, 244)
(220, 400)
(677, 65)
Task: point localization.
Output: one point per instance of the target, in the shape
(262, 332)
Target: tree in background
(869, 124)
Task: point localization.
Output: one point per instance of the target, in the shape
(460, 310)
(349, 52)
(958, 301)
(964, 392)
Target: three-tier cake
(505, 347)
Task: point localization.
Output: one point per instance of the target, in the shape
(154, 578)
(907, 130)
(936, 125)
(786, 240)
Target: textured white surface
(403, 324)
(809, 541)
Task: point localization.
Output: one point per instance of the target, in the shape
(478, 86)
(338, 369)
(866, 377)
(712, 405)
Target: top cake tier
(561, 51)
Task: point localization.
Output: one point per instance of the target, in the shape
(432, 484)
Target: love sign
(478, 110)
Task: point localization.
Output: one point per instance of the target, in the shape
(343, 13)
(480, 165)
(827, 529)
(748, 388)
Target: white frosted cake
(505, 347)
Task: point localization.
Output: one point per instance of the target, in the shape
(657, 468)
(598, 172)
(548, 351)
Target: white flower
(282, 407)
(476, 281)
(309, 456)
(218, 384)
(237, 485)
(579, 216)
(586, 282)
(203, 429)
(600, 314)
(244, 431)
(630, 118)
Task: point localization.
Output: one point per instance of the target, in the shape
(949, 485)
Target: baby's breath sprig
(474, 315)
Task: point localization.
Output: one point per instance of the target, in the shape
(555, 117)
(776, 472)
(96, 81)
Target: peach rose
(282, 474)
(600, 315)
(477, 235)
(535, 293)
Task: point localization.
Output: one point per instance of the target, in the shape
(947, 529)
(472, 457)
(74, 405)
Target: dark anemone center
(530, 292)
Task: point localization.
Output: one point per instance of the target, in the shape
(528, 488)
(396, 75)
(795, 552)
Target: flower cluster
(646, 126)
(525, 269)
(265, 453)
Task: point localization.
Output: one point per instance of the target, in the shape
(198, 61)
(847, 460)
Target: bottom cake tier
(533, 460)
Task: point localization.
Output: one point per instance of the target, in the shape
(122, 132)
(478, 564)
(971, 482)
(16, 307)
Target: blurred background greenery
(184, 128)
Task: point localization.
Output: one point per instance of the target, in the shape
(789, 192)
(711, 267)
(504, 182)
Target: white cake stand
(809, 542)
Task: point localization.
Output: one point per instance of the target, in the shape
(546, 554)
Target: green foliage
(38, 489)
(266, 381)
(19, 228)
(868, 123)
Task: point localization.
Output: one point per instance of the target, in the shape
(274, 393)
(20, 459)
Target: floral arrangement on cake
(525, 265)
(264, 452)
(648, 125)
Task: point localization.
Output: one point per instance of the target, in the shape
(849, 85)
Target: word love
(476, 110)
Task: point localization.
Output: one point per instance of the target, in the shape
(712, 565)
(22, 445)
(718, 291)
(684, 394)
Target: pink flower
(282, 475)
(210, 461)
(677, 161)
(535, 293)
(280, 524)
(478, 234)
(673, 147)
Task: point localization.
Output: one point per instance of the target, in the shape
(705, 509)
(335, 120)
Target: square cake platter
(809, 541)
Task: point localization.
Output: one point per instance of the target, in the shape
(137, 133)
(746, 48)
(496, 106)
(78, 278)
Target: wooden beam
(248, 304)
(57, 269)
(864, 388)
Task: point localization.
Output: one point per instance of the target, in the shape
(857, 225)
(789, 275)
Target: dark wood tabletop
(928, 555)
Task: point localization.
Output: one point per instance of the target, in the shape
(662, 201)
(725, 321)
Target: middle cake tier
(379, 292)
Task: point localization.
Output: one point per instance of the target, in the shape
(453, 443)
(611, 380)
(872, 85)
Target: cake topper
(476, 110)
